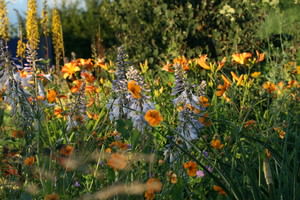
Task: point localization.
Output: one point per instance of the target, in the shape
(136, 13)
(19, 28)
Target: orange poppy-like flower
(153, 117)
(241, 58)
(280, 132)
(191, 168)
(249, 123)
(222, 88)
(168, 67)
(29, 161)
(203, 101)
(51, 96)
(88, 77)
(183, 62)
(134, 89)
(69, 70)
(202, 62)
(216, 144)
(66, 150)
(219, 189)
(52, 196)
(270, 87)
(117, 161)
(17, 134)
(255, 74)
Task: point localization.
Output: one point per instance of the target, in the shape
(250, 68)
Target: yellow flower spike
(32, 29)
(4, 25)
(255, 74)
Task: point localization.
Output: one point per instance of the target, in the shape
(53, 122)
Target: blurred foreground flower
(117, 161)
(153, 117)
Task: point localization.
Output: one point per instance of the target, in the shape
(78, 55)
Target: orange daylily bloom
(66, 150)
(134, 89)
(17, 134)
(241, 58)
(168, 67)
(269, 86)
(221, 64)
(260, 57)
(202, 62)
(101, 63)
(29, 161)
(204, 120)
(77, 86)
(216, 144)
(51, 96)
(249, 123)
(88, 77)
(153, 117)
(183, 62)
(69, 70)
(85, 63)
(90, 102)
(91, 89)
(57, 112)
(120, 145)
(117, 161)
(191, 168)
(255, 74)
(219, 189)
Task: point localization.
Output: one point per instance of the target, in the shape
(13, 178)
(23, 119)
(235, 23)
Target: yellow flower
(191, 168)
(51, 96)
(255, 74)
(202, 62)
(241, 58)
(298, 69)
(216, 144)
(153, 117)
(57, 36)
(69, 70)
(134, 89)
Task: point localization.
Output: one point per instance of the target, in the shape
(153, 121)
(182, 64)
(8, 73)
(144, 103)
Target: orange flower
(168, 67)
(117, 161)
(9, 170)
(255, 74)
(153, 185)
(203, 101)
(241, 58)
(202, 62)
(191, 168)
(270, 87)
(17, 134)
(204, 120)
(260, 57)
(85, 63)
(57, 112)
(183, 62)
(153, 117)
(77, 86)
(69, 70)
(120, 145)
(216, 144)
(280, 132)
(249, 123)
(88, 77)
(29, 161)
(219, 190)
(149, 195)
(172, 177)
(66, 150)
(51, 96)
(134, 89)
(222, 88)
(221, 64)
(52, 196)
